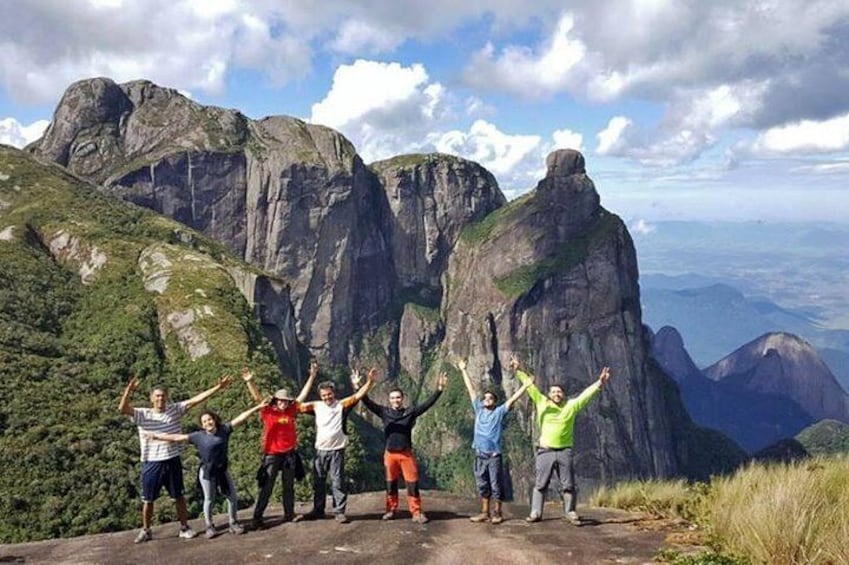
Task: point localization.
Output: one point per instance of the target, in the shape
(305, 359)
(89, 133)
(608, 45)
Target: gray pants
(267, 474)
(559, 462)
(333, 463)
(489, 475)
(209, 488)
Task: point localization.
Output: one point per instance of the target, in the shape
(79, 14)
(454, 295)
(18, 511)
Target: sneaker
(420, 518)
(187, 533)
(257, 524)
(390, 515)
(533, 518)
(210, 532)
(144, 535)
(482, 517)
(236, 528)
(342, 519)
(496, 519)
(573, 517)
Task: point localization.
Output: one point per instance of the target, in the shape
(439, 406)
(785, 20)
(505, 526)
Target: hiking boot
(210, 532)
(420, 518)
(257, 524)
(144, 535)
(533, 518)
(484, 514)
(573, 518)
(342, 519)
(236, 528)
(186, 532)
(390, 515)
(497, 518)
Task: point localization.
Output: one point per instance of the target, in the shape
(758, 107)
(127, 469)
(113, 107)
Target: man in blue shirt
(489, 423)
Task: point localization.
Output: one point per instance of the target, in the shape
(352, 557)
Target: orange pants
(402, 463)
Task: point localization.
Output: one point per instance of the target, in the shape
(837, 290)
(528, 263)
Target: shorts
(156, 474)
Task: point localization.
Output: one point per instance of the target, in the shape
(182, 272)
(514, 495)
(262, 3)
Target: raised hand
(134, 384)
(514, 362)
(247, 374)
(225, 381)
(604, 376)
(372, 374)
(313, 368)
(442, 380)
(356, 378)
(461, 364)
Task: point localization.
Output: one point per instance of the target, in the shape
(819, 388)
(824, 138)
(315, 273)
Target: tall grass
(784, 514)
(661, 499)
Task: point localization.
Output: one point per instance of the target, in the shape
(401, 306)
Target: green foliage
(674, 557)
(485, 228)
(828, 437)
(569, 255)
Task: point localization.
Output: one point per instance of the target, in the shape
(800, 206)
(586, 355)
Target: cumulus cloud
(183, 44)
(530, 72)
(384, 108)
(357, 36)
(19, 135)
(568, 139)
(805, 136)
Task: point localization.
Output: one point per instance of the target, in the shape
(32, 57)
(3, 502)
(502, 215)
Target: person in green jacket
(556, 422)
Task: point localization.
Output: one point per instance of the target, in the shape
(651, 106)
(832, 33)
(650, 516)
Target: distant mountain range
(753, 416)
(717, 318)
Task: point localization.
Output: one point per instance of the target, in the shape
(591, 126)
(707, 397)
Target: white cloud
(358, 36)
(642, 227)
(806, 136)
(18, 135)
(182, 44)
(499, 152)
(568, 139)
(611, 140)
(530, 73)
(384, 108)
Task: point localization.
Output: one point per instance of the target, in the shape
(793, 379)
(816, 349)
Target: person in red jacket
(279, 445)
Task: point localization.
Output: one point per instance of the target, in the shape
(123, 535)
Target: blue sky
(684, 110)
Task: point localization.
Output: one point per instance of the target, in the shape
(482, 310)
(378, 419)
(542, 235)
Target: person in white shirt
(330, 442)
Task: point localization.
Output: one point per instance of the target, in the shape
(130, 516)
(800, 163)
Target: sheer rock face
(555, 279)
(290, 197)
(431, 198)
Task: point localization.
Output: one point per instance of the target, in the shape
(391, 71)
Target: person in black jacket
(398, 422)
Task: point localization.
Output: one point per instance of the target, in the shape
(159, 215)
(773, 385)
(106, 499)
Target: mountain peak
(785, 364)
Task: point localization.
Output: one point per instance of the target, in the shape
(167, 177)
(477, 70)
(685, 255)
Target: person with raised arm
(331, 416)
(555, 418)
(398, 458)
(213, 443)
(161, 464)
(489, 469)
(279, 446)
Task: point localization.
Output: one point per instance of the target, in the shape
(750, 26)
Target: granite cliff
(407, 262)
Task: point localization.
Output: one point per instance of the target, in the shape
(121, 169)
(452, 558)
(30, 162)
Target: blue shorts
(156, 474)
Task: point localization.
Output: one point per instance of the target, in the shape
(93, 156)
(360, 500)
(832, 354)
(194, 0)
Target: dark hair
(215, 417)
(161, 387)
(327, 385)
(558, 385)
(494, 396)
(396, 389)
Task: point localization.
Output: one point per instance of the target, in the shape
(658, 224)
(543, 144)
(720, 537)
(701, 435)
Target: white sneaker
(573, 517)
(144, 535)
(187, 532)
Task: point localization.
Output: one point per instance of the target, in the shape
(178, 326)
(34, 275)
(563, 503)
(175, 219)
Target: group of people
(160, 438)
